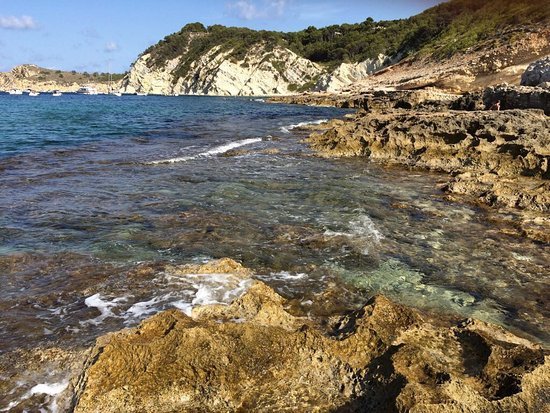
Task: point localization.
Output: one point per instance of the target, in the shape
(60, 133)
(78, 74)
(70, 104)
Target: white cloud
(111, 47)
(17, 23)
(249, 10)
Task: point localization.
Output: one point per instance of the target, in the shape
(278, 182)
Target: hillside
(229, 60)
(43, 79)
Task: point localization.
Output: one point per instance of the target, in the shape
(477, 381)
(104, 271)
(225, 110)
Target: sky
(108, 35)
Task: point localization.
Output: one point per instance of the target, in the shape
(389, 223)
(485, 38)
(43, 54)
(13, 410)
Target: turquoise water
(100, 193)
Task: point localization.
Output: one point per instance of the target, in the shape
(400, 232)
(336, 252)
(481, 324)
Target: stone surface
(255, 356)
(537, 73)
(500, 158)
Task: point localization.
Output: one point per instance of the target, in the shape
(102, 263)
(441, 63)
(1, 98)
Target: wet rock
(501, 157)
(255, 356)
(537, 73)
(221, 266)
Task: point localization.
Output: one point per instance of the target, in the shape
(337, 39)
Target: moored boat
(56, 93)
(32, 93)
(87, 90)
(15, 92)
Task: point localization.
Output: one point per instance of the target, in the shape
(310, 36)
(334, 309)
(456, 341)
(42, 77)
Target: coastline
(382, 348)
(496, 159)
(263, 353)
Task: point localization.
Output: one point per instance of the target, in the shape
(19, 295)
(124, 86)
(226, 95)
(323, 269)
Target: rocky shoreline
(261, 354)
(498, 158)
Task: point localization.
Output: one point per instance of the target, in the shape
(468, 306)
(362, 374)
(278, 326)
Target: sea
(100, 194)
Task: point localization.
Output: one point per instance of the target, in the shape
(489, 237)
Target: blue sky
(95, 35)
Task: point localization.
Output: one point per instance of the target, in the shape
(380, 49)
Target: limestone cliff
(260, 72)
(348, 73)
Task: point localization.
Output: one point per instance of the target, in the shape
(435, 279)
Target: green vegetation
(440, 31)
(44, 74)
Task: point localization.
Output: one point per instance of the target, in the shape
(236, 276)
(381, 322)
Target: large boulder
(537, 74)
(255, 356)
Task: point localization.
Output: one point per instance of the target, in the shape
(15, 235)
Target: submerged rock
(255, 356)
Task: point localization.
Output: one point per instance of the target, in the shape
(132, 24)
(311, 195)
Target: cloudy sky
(101, 34)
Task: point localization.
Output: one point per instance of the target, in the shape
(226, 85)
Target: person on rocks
(496, 106)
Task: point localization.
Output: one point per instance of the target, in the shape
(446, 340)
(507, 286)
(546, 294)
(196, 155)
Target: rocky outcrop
(537, 74)
(348, 73)
(142, 78)
(517, 97)
(261, 72)
(503, 156)
(507, 96)
(376, 100)
(255, 356)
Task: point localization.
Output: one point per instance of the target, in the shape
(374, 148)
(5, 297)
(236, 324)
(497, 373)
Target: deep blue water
(46, 122)
(85, 206)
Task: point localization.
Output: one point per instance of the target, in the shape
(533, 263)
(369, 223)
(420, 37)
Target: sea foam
(287, 129)
(218, 150)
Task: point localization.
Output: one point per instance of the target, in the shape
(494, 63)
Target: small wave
(362, 233)
(218, 150)
(103, 306)
(287, 129)
(184, 292)
(51, 391)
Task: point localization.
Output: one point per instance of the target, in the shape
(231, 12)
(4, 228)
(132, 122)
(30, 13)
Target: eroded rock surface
(255, 356)
(499, 157)
(537, 73)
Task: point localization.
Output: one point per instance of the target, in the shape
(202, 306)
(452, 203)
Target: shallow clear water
(99, 193)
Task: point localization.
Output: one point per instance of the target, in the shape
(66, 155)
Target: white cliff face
(144, 79)
(348, 73)
(261, 72)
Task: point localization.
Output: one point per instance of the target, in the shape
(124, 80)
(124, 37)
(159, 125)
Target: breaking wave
(218, 150)
(287, 129)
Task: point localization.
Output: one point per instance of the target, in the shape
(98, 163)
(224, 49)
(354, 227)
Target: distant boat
(56, 93)
(31, 93)
(141, 94)
(111, 90)
(15, 92)
(175, 94)
(87, 90)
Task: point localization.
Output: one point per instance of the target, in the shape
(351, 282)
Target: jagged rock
(537, 73)
(24, 71)
(255, 356)
(469, 101)
(503, 157)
